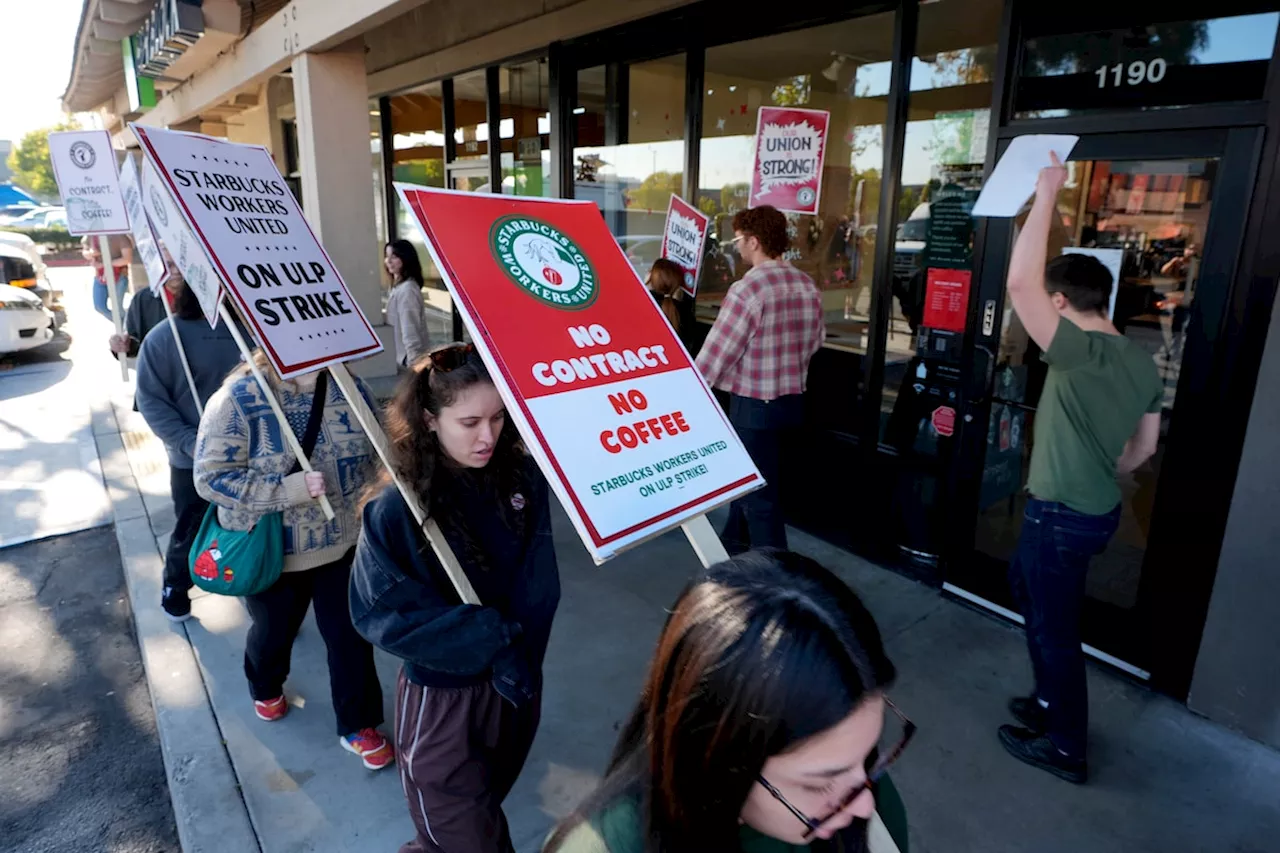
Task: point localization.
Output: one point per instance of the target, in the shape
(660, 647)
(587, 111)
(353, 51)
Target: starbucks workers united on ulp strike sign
(605, 396)
(237, 203)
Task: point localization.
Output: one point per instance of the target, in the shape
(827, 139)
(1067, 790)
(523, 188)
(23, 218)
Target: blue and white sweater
(242, 464)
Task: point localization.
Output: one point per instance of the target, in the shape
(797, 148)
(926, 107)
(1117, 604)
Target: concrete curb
(207, 802)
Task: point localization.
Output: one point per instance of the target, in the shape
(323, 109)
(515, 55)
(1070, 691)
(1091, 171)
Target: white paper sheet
(1014, 178)
(1112, 259)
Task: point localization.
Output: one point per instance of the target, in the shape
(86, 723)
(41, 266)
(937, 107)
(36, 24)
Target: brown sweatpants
(460, 749)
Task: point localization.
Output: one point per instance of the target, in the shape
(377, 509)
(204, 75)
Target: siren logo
(544, 262)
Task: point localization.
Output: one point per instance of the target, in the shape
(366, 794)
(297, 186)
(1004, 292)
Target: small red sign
(944, 421)
(946, 300)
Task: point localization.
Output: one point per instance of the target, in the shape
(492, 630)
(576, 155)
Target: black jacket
(402, 600)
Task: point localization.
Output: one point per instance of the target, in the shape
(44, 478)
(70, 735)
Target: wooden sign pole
(113, 297)
(270, 394)
(373, 429)
(182, 353)
(706, 544)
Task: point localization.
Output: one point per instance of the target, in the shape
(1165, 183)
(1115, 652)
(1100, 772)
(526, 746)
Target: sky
(39, 38)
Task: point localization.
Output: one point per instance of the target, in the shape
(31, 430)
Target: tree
(655, 191)
(29, 160)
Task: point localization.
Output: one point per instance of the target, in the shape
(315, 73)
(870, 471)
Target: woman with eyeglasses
(762, 727)
(469, 693)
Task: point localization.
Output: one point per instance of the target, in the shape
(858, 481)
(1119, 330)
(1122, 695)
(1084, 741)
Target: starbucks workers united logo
(544, 262)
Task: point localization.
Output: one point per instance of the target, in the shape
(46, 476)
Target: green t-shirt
(1098, 388)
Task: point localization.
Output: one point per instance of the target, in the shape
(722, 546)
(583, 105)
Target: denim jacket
(402, 600)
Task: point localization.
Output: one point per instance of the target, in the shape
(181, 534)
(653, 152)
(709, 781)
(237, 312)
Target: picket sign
(182, 355)
(294, 445)
(84, 167)
(239, 169)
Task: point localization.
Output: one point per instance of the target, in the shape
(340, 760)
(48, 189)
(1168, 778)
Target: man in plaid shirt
(768, 329)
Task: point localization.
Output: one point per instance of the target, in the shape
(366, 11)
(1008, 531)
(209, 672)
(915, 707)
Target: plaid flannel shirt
(768, 328)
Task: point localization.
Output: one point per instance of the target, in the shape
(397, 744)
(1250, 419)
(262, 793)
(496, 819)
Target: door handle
(988, 383)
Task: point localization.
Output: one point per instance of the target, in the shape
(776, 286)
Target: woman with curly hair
(469, 692)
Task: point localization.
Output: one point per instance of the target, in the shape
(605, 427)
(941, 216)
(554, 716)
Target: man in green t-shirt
(1099, 416)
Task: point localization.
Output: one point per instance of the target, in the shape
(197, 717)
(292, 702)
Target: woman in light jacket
(244, 464)
(405, 312)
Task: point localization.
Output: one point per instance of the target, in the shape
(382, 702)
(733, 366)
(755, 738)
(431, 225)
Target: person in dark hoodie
(165, 400)
(469, 693)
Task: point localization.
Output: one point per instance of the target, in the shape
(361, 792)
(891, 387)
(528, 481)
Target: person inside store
(762, 725)
(758, 351)
(168, 404)
(121, 256)
(469, 696)
(244, 466)
(665, 283)
(405, 312)
(1099, 416)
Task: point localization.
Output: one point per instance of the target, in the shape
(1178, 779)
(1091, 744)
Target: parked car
(41, 217)
(641, 250)
(21, 266)
(24, 323)
(10, 212)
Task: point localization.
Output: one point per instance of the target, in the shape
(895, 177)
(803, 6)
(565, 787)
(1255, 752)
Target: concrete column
(331, 98)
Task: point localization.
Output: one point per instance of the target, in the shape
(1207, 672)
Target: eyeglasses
(877, 771)
(450, 356)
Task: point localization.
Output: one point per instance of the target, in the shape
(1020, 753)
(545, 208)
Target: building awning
(97, 67)
(11, 195)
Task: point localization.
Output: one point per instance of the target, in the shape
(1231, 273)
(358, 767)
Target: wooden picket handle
(373, 429)
(270, 394)
(706, 544)
(113, 297)
(182, 354)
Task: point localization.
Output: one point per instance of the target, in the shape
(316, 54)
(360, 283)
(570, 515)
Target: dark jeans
(1047, 577)
(277, 614)
(189, 509)
(756, 520)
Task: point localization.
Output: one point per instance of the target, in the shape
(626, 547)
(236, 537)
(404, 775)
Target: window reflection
(525, 127)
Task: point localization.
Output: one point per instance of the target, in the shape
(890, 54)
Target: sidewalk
(1162, 778)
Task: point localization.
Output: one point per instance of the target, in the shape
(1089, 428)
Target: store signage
(170, 30)
(529, 148)
(790, 146)
(950, 234)
(946, 299)
(944, 421)
(236, 201)
(84, 165)
(1129, 68)
(145, 244)
(183, 247)
(605, 396)
(684, 239)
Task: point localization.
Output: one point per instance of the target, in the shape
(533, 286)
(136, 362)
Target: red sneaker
(271, 710)
(372, 747)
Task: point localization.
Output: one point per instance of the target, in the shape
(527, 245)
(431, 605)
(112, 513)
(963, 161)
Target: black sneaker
(1028, 711)
(176, 604)
(1037, 750)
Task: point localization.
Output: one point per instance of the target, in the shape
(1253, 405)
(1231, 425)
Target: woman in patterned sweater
(244, 465)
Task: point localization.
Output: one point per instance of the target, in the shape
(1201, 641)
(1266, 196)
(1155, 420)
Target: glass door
(1151, 213)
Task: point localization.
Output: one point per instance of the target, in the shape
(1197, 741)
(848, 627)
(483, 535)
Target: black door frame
(1191, 510)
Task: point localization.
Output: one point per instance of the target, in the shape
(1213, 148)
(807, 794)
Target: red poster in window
(946, 299)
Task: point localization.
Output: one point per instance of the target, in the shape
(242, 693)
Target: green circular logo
(544, 262)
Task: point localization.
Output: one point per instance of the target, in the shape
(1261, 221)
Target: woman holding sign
(469, 693)
(243, 464)
(762, 727)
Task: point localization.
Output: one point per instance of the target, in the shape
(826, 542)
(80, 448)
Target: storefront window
(942, 169)
(842, 68)
(470, 168)
(629, 156)
(525, 126)
(417, 128)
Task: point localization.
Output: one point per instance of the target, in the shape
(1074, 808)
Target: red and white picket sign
(791, 144)
(609, 402)
(684, 240)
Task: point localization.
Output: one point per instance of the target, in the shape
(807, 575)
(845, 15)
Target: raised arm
(1026, 267)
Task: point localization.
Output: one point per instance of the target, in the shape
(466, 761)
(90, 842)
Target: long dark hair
(759, 653)
(423, 465)
(410, 265)
(665, 278)
(186, 304)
